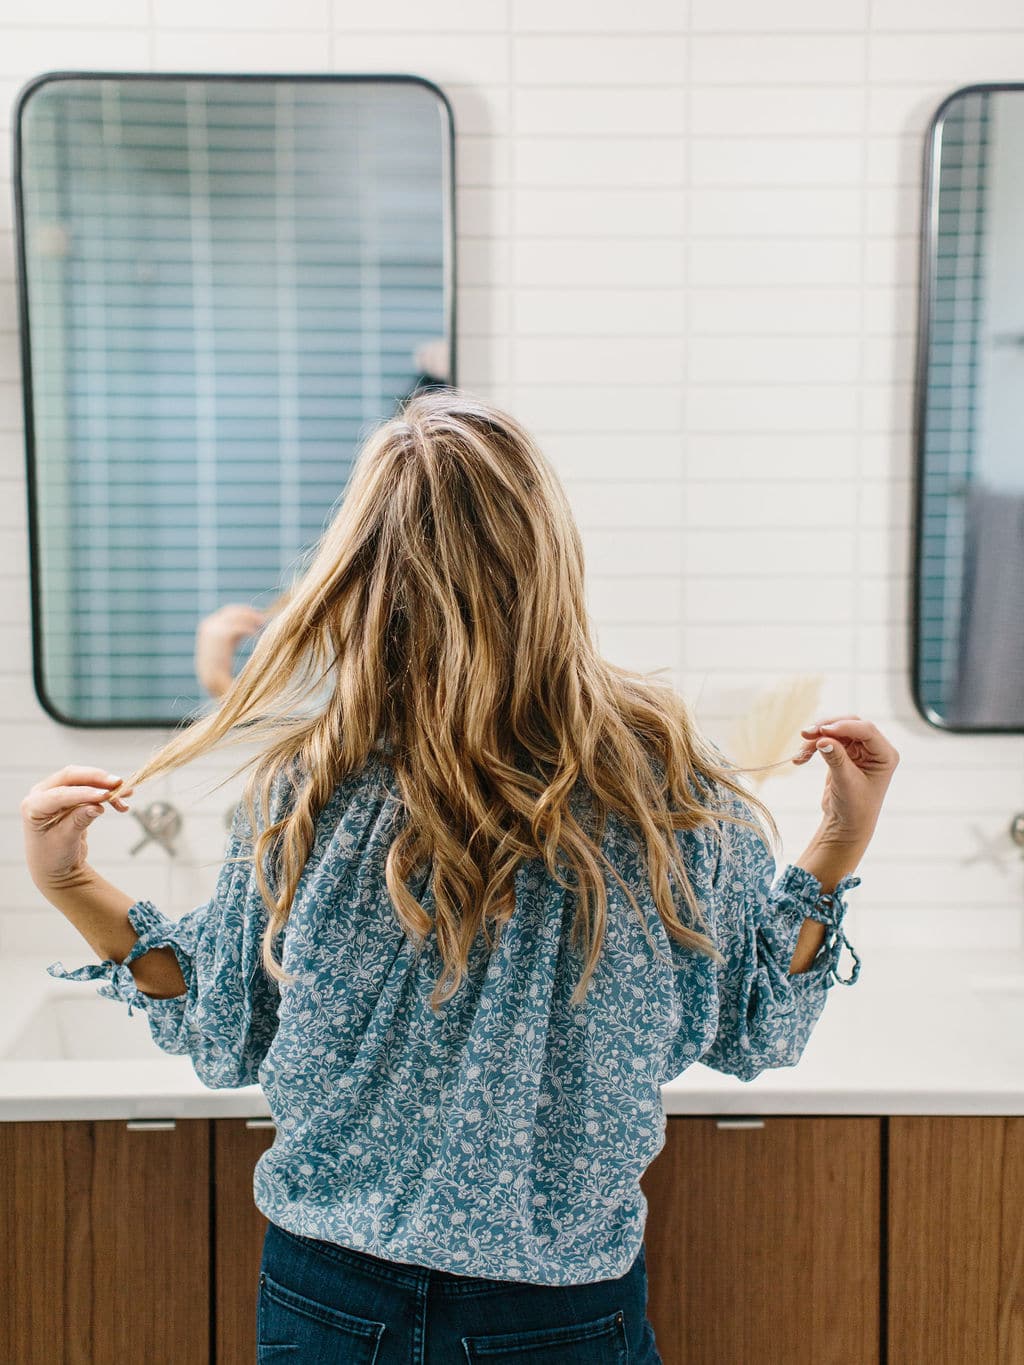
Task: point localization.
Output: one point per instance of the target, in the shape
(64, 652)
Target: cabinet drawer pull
(739, 1123)
(260, 1123)
(150, 1125)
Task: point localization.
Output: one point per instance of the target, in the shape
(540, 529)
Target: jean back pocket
(294, 1330)
(599, 1342)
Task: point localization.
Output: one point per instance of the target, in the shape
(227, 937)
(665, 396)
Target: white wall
(687, 257)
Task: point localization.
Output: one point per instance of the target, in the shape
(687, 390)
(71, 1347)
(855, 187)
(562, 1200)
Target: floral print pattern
(506, 1136)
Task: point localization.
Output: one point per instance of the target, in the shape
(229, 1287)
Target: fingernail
(826, 748)
(112, 777)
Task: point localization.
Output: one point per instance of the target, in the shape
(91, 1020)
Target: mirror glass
(225, 283)
(969, 542)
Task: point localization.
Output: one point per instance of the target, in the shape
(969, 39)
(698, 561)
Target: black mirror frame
(929, 236)
(251, 78)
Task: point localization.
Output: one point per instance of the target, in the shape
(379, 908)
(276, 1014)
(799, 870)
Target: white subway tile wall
(688, 243)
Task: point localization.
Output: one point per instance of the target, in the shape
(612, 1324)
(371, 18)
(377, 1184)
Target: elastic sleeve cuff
(155, 930)
(797, 895)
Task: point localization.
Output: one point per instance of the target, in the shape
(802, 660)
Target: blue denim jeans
(322, 1304)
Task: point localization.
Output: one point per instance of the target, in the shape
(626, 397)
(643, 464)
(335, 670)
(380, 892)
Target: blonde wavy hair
(443, 607)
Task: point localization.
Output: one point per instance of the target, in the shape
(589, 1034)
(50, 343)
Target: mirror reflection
(225, 283)
(969, 564)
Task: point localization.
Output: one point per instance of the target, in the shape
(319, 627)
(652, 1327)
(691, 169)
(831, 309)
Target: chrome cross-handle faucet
(161, 822)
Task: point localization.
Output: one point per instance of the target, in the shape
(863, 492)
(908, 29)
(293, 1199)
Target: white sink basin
(72, 1026)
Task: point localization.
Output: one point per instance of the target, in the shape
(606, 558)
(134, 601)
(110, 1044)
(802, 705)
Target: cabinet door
(105, 1256)
(237, 1146)
(956, 1240)
(763, 1241)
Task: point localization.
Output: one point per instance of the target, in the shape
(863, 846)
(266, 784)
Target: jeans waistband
(416, 1276)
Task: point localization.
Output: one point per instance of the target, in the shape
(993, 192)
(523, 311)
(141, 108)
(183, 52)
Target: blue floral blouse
(506, 1136)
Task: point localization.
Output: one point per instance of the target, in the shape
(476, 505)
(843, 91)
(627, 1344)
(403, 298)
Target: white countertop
(910, 1037)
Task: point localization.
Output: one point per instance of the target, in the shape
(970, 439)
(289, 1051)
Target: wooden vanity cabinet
(238, 1235)
(781, 1240)
(105, 1255)
(956, 1240)
(763, 1241)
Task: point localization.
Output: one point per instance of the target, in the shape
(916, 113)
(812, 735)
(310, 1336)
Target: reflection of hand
(432, 358)
(217, 638)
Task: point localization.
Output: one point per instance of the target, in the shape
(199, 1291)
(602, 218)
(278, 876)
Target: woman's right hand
(860, 767)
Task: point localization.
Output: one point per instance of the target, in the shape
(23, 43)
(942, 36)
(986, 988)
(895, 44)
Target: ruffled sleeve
(797, 895)
(766, 1014)
(226, 1018)
(155, 931)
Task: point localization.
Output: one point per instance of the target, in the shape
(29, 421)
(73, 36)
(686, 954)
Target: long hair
(442, 616)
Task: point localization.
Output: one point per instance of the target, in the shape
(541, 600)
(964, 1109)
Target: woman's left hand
(56, 815)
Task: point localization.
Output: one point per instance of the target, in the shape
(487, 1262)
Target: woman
(463, 1118)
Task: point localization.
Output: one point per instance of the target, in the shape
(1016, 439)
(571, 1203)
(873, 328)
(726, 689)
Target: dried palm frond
(767, 736)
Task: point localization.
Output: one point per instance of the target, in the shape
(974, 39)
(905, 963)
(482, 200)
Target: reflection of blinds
(953, 360)
(228, 283)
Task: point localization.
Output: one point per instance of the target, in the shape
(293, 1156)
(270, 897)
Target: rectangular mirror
(968, 592)
(224, 282)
